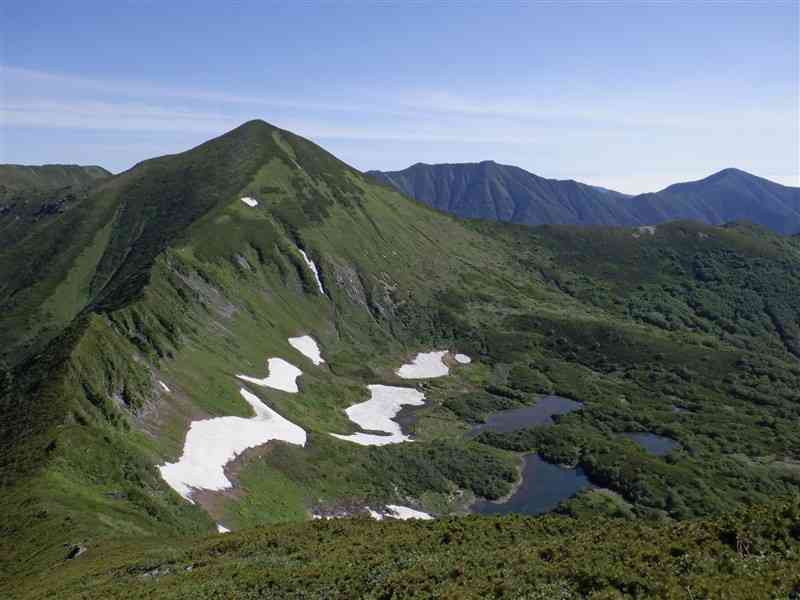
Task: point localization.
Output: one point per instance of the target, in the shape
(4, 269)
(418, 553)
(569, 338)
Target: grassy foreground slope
(750, 554)
(163, 274)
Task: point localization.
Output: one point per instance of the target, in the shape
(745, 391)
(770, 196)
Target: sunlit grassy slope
(162, 273)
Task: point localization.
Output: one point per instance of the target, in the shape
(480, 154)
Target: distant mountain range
(32, 192)
(488, 190)
(14, 178)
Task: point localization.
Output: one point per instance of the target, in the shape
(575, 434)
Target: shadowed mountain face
(488, 190)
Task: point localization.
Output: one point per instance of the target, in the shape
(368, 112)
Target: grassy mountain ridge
(177, 280)
(488, 190)
(97, 381)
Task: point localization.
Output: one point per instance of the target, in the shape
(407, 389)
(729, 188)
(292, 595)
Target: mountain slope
(488, 190)
(189, 276)
(156, 288)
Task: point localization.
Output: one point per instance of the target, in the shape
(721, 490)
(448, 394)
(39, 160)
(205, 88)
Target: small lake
(543, 487)
(654, 444)
(541, 413)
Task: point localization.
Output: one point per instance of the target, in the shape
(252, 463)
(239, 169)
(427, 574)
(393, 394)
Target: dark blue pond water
(519, 418)
(543, 487)
(654, 444)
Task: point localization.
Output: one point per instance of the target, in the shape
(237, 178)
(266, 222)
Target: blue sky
(628, 95)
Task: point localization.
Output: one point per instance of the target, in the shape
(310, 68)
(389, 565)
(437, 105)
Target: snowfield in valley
(212, 443)
(282, 376)
(426, 365)
(251, 202)
(376, 414)
(307, 346)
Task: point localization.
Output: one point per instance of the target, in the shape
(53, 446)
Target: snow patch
(394, 511)
(463, 359)
(403, 512)
(222, 528)
(369, 439)
(282, 376)
(313, 268)
(647, 229)
(251, 202)
(376, 414)
(307, 346)
(425, 365)
(163, 386)
(390, 511)
(212, 443)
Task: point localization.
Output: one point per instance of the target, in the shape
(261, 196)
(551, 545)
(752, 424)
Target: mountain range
(489, 190)
(18, 178)
(218, 341)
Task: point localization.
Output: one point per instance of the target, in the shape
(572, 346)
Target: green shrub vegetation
(749, 554)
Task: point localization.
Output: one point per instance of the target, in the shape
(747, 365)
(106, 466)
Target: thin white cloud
(17, 78)
(618, 138)
(123, 116)
(607, 108)
(112, 116)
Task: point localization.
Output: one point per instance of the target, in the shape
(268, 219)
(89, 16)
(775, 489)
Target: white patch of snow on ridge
(426, 365)
(251, 202)
(377, 413)
(307, 346)
(463, 359)
(282, 376)
(313, 268)
(163, 386)
(212, 443)
(222, 529)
